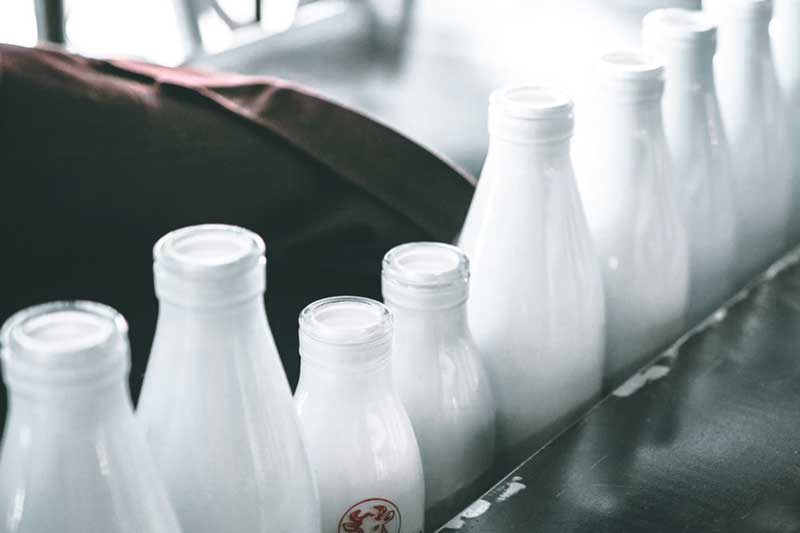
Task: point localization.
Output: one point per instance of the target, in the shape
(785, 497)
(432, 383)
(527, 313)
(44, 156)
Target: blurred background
(423, 67)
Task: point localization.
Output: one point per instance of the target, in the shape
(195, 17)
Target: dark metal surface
(711, 444)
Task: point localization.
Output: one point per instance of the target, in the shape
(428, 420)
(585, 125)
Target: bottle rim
(630, 64)
(209, 250)
(425, 275)
(429, 265)
(209, 265)
(64, 342)
(679, 25)
(346, 321)
(630, 75)
(531, 114)
(530, 102)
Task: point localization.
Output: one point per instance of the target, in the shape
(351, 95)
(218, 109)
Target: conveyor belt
(706, 439)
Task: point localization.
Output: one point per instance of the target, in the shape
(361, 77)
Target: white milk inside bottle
(436, 366)
(359, 438)
(536, 298)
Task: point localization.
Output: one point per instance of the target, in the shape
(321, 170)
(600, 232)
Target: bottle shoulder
(110, 469)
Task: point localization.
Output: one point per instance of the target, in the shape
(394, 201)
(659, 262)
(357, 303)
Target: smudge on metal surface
(511, 488)
(475, 510)
(640, 379)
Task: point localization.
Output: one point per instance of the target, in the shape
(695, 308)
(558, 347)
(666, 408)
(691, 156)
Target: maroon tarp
(100, 158)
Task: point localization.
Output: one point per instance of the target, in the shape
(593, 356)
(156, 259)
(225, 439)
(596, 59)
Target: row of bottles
(570, 284)
(683, 199)
(755, 120)
(219, 444)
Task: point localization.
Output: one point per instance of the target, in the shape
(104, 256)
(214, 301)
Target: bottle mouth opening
(346, 321)
(209, 250)
(631, 64)
(530, 102)
(61, 328)
(64, 341)
(681, 24)
(426, 265)
(530, 114)
(630, 75)
(686, 20)
(211, 265)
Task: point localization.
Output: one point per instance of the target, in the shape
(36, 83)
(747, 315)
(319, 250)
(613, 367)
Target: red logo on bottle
(375, 515)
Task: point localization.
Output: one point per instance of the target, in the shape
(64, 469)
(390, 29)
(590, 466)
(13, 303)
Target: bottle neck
(511, 152)
(77, 408)
(450, 321)
(620, 115)
(189, 339)
(198, 322)
(345, 346)
(427, 327)
(744, 36)
(689, 65)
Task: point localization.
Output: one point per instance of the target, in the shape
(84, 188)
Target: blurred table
(711, 443)
(432, 78)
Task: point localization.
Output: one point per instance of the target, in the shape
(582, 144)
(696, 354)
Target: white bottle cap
(425, 275)
(676, 26)
(530, 114)
(62, 344)
(630, 76)
(209, 265)
(346, 331)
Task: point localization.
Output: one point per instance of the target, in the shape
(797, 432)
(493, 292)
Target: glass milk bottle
(624, 176)
(685, 41)
(536, 303)
(785, 30)
(215, 402)
(436, 366)
(756, 126)
(359, 437)
(74, 459)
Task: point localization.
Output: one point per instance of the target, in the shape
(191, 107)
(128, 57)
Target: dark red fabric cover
(100, 158)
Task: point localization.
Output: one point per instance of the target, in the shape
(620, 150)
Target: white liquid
(436, 366)
(360, 441)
